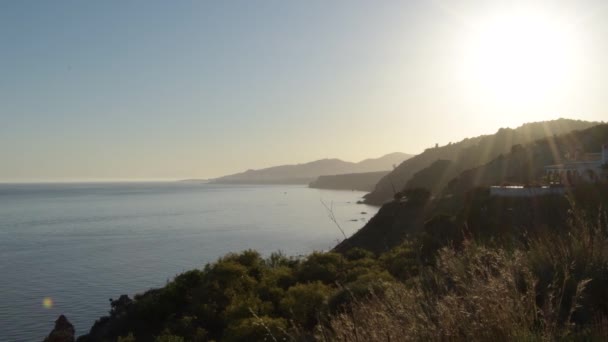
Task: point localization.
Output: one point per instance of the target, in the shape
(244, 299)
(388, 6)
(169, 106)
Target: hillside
(469, 153)
(434, 176)
(524, 164)
(308, 172)
(365, 181)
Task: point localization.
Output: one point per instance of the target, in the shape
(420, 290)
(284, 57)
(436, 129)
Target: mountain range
(308, 172)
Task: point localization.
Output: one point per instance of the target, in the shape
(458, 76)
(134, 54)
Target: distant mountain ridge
(308, 172)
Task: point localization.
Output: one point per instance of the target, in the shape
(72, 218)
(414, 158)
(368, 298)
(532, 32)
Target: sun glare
(521, 56)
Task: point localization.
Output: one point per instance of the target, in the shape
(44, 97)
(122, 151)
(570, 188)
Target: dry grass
(478, 294)
(482, 293)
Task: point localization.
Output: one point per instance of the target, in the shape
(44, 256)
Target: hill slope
(525, 163)
(306, 173)
(469, 153)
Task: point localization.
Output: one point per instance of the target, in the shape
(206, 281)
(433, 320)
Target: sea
(68, 248)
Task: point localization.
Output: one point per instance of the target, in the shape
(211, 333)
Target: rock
(63, 331)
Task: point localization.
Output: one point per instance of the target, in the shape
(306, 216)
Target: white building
(522, 191)
(591, 168)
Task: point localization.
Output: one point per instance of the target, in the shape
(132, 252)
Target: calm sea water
(81, 244)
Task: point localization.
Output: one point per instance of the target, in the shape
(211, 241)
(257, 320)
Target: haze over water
(81, 244)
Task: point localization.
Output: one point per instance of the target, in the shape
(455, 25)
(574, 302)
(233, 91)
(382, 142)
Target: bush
(476, 294)
(324, 267)
(306, 304)
(402, 261)
(261, 328)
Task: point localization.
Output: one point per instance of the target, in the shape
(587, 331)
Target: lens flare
(47, 302)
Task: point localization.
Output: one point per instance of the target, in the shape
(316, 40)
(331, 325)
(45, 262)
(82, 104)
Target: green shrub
(324, 267)
(306, 304)
(262, 328)
(128, 338)
(402, 261)
(167, 337)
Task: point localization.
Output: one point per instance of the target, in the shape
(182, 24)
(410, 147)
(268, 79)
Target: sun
(520, 56)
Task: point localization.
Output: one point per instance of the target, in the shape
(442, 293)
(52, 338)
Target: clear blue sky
(181, 89)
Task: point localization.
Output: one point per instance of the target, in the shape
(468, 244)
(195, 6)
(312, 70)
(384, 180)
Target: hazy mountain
(307, 172)
(467, 154)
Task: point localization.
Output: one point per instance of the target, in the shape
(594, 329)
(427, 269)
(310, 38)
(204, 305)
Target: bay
(81, 244)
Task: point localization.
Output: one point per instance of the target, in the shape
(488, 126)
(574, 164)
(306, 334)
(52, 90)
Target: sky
(126, 90)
